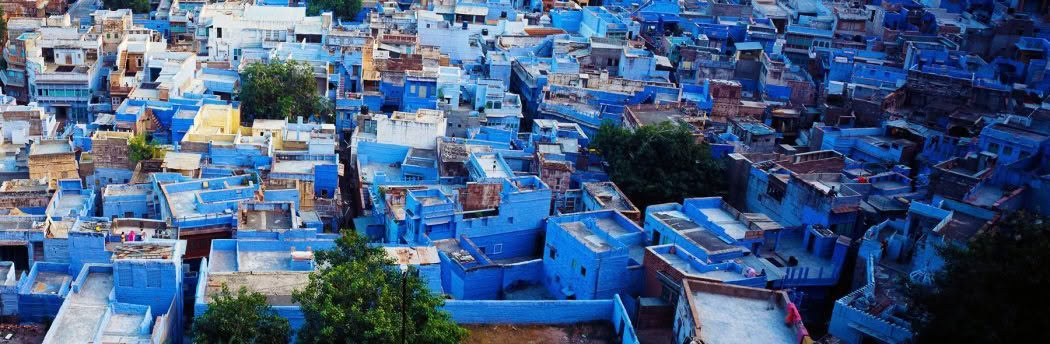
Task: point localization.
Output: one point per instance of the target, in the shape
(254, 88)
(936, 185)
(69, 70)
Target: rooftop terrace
(728, 314)
(83, 310)
(50, 147)
(277, 286)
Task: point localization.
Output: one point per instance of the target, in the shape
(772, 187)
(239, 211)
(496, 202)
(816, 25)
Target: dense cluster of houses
(858, 136)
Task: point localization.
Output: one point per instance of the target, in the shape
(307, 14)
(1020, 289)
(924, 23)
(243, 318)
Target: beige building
(52, 160)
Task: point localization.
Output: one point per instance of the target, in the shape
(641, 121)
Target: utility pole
(404, 297)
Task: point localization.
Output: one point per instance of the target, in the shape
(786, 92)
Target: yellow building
(218, 123)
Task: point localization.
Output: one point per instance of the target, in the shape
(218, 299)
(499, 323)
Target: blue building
(593, 255)
(202, 209)
(483, 208)
(420, 91)
(797, 190)
(893, 251)
(129, 200)
(71, 201)
(712, 231)
(272, 267)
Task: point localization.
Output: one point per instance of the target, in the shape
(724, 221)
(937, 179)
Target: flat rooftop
(610, 196)
(85, 309)
(596, 332)
(687, 267)
(413, 255)
(793, 246)
(695, 233)
(49, 282)
(126, 189)
(41, 148)
(67, 201)
(298, 166)
(144, 251)
(584, 235)
(276, 286)
(491, 167)
(265, 220)
(182, 161)
(368, 170)
(731, 319)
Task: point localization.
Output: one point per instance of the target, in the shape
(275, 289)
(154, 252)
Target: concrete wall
(149, 282)
(528, 312)
(34, 306)
(545, 312)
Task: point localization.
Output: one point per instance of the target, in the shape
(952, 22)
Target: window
(422, 91)
(153, 278)
(1007, 150)
(497, 248)
(993, 147)
(583, 271)
(126, 278)
(510, 219)
(218, 32)
(553, 252)
(411, 89)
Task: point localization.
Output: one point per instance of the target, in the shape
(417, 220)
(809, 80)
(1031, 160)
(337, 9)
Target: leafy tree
(341, 9)
(242, 318)
(281, 90)
(659, 163)
(136, 6)
(989, 290)
(357, 297)
(142, 148)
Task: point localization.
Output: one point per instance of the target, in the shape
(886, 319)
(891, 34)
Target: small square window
(497, 248)
(583, 271)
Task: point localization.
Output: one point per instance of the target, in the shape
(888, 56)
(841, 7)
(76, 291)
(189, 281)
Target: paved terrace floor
(83, 311)
(728, 319)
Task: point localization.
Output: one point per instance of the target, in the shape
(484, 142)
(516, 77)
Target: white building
(231, 31)
(417, 130)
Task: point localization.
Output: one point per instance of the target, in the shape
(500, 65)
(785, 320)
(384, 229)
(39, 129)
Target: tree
(242, 318)
(142, 148)
(136, 6)
(281, 90)
(358, 297)
(3, 27)
(659, 163)
(989, 290)
(341, 9)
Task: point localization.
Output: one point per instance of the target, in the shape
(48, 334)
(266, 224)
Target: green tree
(136, 6)
(359, 297)
(142, 148)
(341, 9)
(281, 90)
(242, 318)
(989, 290)
(659, 163)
